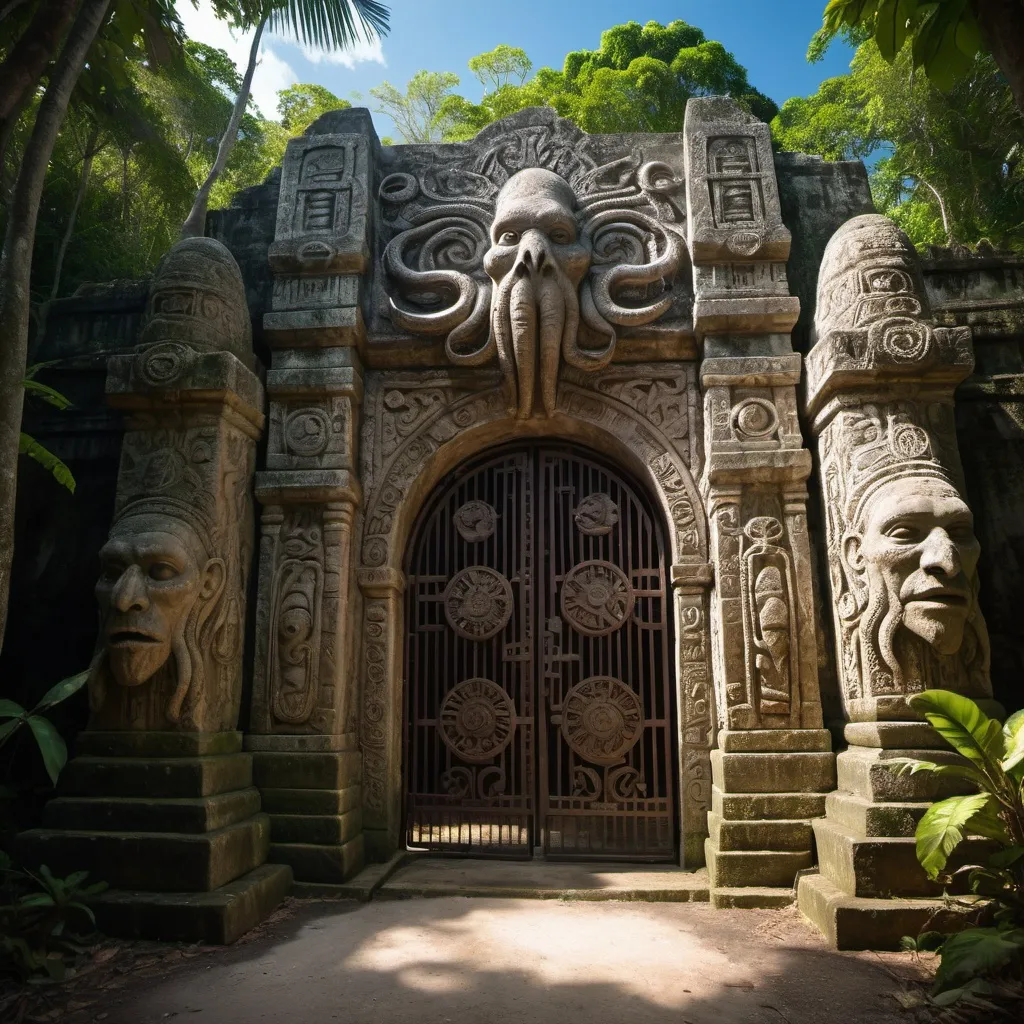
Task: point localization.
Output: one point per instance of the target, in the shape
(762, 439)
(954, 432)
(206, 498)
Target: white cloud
(273, 72)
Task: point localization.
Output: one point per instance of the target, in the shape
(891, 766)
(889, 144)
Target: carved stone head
(912, 548)
(158, 591)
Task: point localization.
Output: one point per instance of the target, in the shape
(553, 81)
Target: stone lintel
(751, 371)
(696, 575)
(315, 328)
(383, 582)
(781, 466)
(308, 486)
(773, 314)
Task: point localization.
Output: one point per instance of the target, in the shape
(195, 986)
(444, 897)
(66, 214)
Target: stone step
(767, 806)
(759, 835)
(152, 861)
(752, 897)
(875, 775)
(854, 922)
(156, 776)
(133, 814)
(791, 772)
(219, 917)
(320, 862)
(881, 867)
(868, 819)
(324, 829)
(760, 868)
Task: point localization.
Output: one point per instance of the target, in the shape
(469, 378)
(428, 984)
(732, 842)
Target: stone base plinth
(314, 801)
(172, 823)
(767, 786)
(857, 922)
(220, 916)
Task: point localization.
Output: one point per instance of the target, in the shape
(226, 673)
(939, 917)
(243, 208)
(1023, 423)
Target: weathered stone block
(220, 917)
(157, 777)
(135, 814)
(312, 862)
(320, 829)
(157, 744)
(875, 775)
(760, 806)
(758, 868)
(894, 735)
(793, 772)
(759, 835)
(153, 861)
(311, 801)
(307, 771)
(865, 818)
(773, 740)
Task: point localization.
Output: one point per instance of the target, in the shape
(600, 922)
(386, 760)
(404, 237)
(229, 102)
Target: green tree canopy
(638, 80)
(950, 165)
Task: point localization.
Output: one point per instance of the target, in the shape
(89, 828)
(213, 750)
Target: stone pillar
(160, 803)
(304, 719)
(773, 763)
(902, 560)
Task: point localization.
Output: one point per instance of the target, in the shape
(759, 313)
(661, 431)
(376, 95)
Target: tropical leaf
(10, 709)
(62, 690)
(29, 446)
(976, 951)
(9, 728)
(51, 746)
(1013, 734)
(954, 771)
(963, 725)
(944, 825)
(329, 24)
(49, 395)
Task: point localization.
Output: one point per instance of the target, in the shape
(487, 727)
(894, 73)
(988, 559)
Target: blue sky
(768, 38)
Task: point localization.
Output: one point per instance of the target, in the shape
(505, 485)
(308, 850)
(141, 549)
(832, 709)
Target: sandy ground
(455, 960)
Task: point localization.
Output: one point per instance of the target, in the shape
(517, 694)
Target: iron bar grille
(539, 705)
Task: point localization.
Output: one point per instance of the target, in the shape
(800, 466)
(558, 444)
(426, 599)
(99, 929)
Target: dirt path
(469, 961)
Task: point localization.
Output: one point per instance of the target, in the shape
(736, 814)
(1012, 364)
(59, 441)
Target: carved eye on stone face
(162, 572)
(905, 533)
(561, 236)
(509, 238)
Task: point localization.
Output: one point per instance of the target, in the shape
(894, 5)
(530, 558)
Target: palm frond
(329, 24)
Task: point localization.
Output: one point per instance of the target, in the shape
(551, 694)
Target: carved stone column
(902, 560)
(773, 763)
(303, 724)
(160, 802)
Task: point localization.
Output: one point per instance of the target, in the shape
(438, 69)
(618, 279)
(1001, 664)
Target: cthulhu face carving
(547, 279)
(156, 582)
(536, 263)
(915, 554)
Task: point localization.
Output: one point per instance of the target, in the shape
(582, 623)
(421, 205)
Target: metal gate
(539, 706)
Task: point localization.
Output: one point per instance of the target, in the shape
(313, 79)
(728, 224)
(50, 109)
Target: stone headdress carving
(531, 251)
(174, 569)
(902, 552)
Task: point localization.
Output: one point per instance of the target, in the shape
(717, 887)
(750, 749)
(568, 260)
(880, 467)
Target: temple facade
(544, 495)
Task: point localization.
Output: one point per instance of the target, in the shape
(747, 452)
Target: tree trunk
(91, 149)
(1002, 25)
(16, 264)
(21, 71)
(195, 223)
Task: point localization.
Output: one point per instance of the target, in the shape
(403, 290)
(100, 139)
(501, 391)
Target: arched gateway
(534, 565)
(539, 709)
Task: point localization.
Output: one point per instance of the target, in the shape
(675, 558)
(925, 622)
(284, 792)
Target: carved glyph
(477, 720)
(478, 602)
(602, 719)
(597, 598)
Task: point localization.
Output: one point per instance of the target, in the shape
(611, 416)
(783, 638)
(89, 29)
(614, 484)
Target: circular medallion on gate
(477, 720)
(478, 602)
(601, 719)
(596, 514)
(475, 521)
(596, 598)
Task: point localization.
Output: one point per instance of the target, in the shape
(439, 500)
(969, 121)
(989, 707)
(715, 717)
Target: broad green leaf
(29, 446)
(51, 746)
(976, 951)
(1013, 734)
(963, 725)
(9, 728)
(62, 690)
(49, 395)
(953, 771)
(892, 26)
(943, 826)
(10, 709)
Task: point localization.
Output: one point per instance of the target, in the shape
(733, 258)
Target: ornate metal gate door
(539, 697)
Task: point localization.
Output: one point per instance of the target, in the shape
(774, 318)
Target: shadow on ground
(435, 961)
